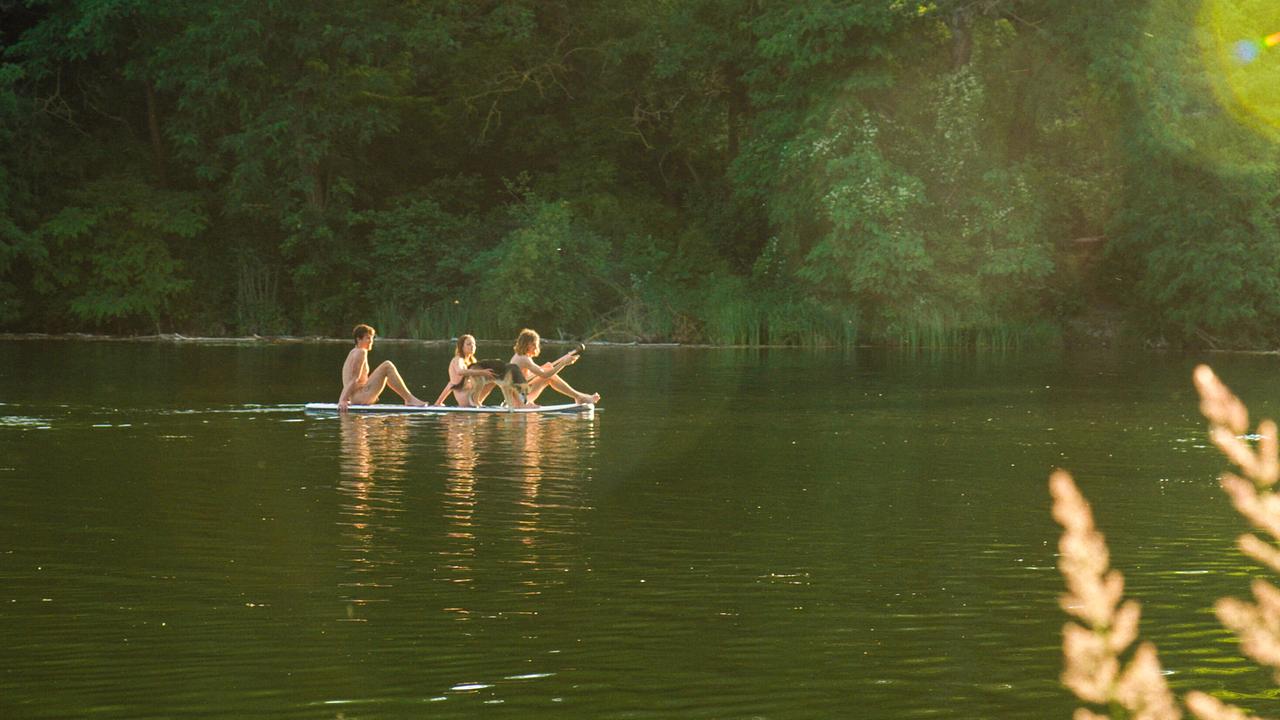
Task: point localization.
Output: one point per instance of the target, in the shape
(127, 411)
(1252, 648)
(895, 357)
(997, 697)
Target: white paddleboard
(587, 408)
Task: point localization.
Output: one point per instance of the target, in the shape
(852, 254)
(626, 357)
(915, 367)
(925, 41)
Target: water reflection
(557, 453)
(741, 535)
(462, 434)
(373, 463)
(528, 472)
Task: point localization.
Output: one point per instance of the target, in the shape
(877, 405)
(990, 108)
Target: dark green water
(736, 534)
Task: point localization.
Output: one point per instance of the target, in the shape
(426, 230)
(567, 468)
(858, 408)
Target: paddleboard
(587, 408)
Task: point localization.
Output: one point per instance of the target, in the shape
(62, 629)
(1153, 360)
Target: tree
(107, 257)
(548, 272)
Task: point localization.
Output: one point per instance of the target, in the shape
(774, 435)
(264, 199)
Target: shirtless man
(361, 387)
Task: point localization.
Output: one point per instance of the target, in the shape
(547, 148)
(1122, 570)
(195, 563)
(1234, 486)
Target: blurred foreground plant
(1095, 591)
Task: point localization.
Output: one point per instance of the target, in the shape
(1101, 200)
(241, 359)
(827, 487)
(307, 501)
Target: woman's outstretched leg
(559, 384)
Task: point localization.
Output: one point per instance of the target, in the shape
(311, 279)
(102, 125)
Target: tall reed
(1092, 652)
(776, 317)
(257, 307)
(1095, 595)
(445, 319)
(439, 321)
(931, 329)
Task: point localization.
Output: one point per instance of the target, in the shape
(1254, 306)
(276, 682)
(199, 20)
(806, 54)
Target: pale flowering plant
(1105, 625)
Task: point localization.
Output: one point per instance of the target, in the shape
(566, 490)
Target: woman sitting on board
(528, 345)
(464, 356)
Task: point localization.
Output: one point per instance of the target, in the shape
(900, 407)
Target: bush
(106, 257)
(548, 272)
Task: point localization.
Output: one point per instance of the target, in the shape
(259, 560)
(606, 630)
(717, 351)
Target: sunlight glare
(1237, 39)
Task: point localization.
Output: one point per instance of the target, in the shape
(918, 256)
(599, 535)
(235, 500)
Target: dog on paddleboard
(509, 379)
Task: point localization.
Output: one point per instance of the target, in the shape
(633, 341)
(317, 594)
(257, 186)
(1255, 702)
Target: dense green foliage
(731, 171)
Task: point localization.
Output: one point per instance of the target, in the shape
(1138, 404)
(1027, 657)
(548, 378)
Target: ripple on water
(25, 422)
(685, 559)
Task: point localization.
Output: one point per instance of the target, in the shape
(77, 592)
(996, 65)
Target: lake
(770, 533)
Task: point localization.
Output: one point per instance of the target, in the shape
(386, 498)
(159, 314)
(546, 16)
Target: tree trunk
(736, 109)
(960, 21)
(157, 145)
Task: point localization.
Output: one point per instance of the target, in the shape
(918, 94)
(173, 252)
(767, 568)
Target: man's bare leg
(368, 393)
(386, 376)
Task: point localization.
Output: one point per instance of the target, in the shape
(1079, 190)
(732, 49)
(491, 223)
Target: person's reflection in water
(374, 455)
(506, 466)
(534, 433)
(461, 434)
(555, 459)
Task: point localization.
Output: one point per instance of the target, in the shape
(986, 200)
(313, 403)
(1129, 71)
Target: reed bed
(730, 316)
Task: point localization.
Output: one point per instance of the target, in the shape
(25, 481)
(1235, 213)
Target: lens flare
(1237, 64)
(1246, 51)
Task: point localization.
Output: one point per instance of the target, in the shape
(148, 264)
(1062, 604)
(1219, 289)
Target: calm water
(735, 534)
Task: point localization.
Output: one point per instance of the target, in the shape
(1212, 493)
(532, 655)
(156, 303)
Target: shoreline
(178, 338)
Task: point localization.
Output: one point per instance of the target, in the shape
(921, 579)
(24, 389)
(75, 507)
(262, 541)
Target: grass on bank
(725, 321)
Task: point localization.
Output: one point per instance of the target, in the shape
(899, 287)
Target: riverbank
(1096, 331)
(317, 339)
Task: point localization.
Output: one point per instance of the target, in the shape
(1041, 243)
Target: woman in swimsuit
(528, 346)
(464, 356)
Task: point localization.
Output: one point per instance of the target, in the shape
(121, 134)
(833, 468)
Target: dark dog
(509, 379)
